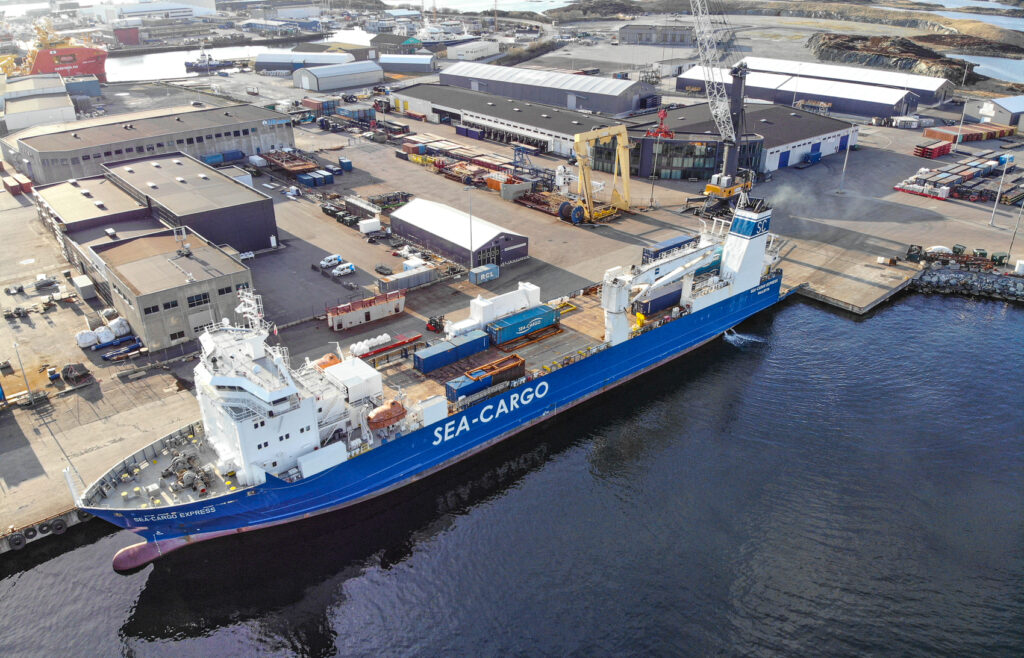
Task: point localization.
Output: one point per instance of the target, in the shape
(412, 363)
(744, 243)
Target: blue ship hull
(433, 448)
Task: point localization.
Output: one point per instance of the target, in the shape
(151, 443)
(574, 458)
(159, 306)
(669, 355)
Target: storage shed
(452, 233)
(473, 50)
(338, 76)
(1007, 111)
(407, 63)
(293, 61)
(575, 92)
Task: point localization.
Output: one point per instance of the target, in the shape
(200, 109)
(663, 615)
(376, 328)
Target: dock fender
(16, 541)
(83, 515)
(30, 533)
(44, 528)
(58, 526)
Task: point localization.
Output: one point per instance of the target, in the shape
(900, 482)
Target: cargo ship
(277, 443)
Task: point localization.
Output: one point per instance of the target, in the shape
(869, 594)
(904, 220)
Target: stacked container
(656, 250)
(522, 323)
(433, 357)
(345, 164)
(327, 176)
(408, 279)
(476, 380)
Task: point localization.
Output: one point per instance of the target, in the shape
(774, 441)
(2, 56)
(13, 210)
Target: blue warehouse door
(816, 147)
(783, 159)
(843, 142)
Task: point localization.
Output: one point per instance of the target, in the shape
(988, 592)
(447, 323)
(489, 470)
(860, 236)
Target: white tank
(1020, 268)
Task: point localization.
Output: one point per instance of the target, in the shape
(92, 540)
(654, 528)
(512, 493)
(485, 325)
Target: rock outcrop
(889, 53)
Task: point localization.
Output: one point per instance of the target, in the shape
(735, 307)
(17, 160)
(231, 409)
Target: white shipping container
(257, 161)
(369, 225)
(412, 264)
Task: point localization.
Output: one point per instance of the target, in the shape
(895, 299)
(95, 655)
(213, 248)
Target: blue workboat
(278, 443)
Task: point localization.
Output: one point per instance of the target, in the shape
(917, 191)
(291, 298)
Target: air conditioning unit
(179, 179)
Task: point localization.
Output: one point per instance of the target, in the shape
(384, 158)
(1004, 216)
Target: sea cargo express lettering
(489, 412)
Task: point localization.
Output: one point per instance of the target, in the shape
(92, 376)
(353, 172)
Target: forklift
(435, 324)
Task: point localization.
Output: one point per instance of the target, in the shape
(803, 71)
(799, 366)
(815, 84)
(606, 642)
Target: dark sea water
(826, 486)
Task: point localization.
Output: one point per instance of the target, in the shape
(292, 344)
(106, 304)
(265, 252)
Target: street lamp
(963, 114)
(469, 193)
(28, 390)
(846, 158)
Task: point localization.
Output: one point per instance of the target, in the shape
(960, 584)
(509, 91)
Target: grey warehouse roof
(333, 70)
(304, 58)
(406, 59)
(76, 201)
(1012, 104)
(449, 223)
(551, 79)
(168, 122)
(182, 184)
(535, 115)
(802, 85)
(848, 73)
(777, 123)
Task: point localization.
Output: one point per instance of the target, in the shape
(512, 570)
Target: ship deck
(582, 327)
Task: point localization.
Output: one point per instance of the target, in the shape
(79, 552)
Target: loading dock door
(783, 159)
(570, 101)
(816, 147)
(843, 142)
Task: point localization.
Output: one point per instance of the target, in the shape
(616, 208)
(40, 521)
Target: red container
(11, 185)
(24, 182)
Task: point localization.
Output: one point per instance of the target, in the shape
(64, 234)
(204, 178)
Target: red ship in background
(57, 54)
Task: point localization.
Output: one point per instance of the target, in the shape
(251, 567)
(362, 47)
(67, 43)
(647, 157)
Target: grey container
(413, 278)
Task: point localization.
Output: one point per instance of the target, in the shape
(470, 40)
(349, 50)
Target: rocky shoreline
(887, 52)
(970, 284)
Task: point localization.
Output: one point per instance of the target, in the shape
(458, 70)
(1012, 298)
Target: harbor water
(815, 484)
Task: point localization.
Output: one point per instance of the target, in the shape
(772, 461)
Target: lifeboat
(327, 360)
(386, 415)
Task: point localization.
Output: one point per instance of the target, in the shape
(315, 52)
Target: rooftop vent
(204, 176)
(99, 204)
(177, 118)
(75, 135)
(155, 164)
(151, 184)
(575, 123)
(177, 162)
(129, 170)
(73, 182)
(546, 116)
(763, 120)
(111, 233)
(516, 109)
(227, 114)
(793, 114)
(179, 179)
(527, 105)
(85, 192)
(490, 103)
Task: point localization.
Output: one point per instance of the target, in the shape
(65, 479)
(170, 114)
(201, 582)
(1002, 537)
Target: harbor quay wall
(973, 284)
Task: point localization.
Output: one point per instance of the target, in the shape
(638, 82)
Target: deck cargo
(665, 246)
(435, 356)
(522, 323)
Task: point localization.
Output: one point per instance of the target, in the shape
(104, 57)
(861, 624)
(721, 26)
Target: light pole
(469, 193)
(999, 193)
(1009, 250)
(963, 114)
(846, 158)
(28, 390)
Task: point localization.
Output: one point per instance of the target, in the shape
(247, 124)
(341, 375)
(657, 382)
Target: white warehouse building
(473, 50)
(338, 76)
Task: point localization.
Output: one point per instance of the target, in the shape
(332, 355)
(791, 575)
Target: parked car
(331, 261)
(383, 269)
(344, 269)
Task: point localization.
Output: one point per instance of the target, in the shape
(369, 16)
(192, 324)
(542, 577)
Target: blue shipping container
(230, 156)
(471, 343)
(483, 273)
(216, 158)
(433, 357)
(462, 386)
(318, 180)
(306, 180)
(460, 130)
(475, 134)
(345, 164)
(656, 250)
(522, 323)
(328, 176)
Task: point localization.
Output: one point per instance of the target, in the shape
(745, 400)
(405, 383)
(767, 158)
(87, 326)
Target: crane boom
(707, 49)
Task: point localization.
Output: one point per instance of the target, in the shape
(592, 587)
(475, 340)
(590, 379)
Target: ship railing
(710, 288)
(129, 468)
(572, 357)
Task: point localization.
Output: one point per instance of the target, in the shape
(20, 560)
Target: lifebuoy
(44, 528)
(16, 541)
(30, 533)
(58, 526)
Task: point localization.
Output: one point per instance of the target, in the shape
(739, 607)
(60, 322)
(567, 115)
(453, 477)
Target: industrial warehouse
(1006, 111)
(338, 76)
(297, 60)
(460, 237)
(166, 282)
(408, 63)
(824, 96)
(574, 92)
(51, 153)
(547, 128)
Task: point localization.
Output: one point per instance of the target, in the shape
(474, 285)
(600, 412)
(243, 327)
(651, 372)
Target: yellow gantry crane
(589, 210)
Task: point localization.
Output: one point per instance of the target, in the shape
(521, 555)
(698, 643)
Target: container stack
(473, 381)
(408, 279)
(447, 352)
(969, 132)
(932, 150)
(522, 324)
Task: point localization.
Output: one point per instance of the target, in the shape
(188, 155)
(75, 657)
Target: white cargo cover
(360, 378)
(312, 463)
